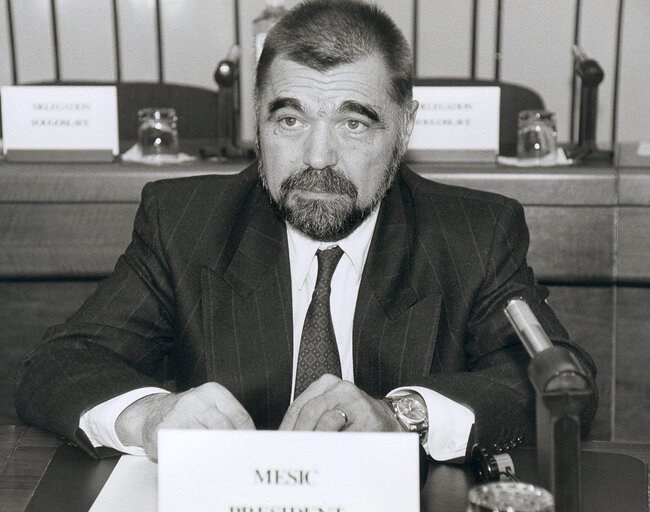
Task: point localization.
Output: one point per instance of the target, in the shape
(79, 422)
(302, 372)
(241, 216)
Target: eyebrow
(346, 106)
(359, 108)
(279, 103)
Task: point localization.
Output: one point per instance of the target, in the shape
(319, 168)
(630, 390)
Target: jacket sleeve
(114, 343)
(497, 387)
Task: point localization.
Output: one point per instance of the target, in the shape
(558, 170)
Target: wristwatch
(410, 410)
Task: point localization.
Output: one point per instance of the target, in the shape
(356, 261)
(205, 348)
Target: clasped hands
(328, 404)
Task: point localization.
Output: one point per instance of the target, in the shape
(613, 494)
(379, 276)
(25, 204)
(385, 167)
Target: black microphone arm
(562, 389)
(591, 74)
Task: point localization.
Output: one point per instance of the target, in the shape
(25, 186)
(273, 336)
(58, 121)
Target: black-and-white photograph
(324, 255)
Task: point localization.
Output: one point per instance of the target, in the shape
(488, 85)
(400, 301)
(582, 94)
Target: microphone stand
(227, 77)
(591, 75)
(562, 390)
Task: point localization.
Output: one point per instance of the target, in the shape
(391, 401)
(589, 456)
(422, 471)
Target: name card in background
(264, 471)
(59, 123)
(455, 124)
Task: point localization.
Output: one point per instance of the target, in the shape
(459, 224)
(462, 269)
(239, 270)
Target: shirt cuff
(98, 423)
(450, 424)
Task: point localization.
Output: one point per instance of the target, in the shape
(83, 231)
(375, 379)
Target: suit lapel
(247, 314)
(397, 312)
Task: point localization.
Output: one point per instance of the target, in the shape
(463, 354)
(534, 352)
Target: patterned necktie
(318, 352)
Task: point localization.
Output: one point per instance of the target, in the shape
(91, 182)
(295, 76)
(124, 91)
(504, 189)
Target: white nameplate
(456, 119)
(46, 120)
(269, 471)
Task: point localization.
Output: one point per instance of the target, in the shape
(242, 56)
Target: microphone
(527, 327)
(563, 389)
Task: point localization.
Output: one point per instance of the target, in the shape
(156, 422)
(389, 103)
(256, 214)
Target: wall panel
(195, 40)
(634, 96)
(248, 11)
(536, 46)
(597, 33)
(444, 38)
(486, 39)
(5, 49)
(536, 52)
(33, 36)
(402, 12)
(86, 39)
(138, 47)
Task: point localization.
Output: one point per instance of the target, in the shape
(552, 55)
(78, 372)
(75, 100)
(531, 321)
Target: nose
(320, 147)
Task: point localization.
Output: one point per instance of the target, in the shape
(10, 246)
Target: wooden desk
(26, 452)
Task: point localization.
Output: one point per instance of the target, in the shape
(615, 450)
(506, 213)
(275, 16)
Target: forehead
(363, 81)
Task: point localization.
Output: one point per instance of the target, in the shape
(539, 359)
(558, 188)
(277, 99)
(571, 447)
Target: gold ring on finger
(342, 413)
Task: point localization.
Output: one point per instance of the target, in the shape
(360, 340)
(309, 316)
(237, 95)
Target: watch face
(412, 409)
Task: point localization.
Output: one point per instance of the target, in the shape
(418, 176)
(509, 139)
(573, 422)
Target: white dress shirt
(449, 422)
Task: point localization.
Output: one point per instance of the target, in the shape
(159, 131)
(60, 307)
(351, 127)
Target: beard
(332, 217)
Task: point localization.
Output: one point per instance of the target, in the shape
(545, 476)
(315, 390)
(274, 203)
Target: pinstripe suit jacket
(206, 282)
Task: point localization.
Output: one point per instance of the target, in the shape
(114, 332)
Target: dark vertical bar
(12, 42)
(474, 37)
(415, 38)
(55, 42)
(116, 30)
(617, 67)
(236, 7)
(574, 79)
(497, 44)
(159, 42)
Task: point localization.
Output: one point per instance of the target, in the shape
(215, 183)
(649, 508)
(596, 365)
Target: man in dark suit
(226, 277)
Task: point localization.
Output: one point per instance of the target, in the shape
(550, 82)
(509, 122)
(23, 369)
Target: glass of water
(158, 131)
(537, 136)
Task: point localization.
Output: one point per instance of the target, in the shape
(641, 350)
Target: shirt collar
(302, 249)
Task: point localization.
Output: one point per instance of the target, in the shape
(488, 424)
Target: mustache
(326, 180)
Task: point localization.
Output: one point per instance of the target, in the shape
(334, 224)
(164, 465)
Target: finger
(235, 411)
(325, 383)
(214, 419)
(310, 413)
(332, 421)
(224, 401)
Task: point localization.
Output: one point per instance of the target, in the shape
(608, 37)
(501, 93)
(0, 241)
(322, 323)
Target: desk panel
(571, 244)
(75, 219)
(633, 262)
(63, 239)
(532, 186)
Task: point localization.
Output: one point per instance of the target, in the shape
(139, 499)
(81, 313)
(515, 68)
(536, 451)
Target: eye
(289, 122)
(354, 125)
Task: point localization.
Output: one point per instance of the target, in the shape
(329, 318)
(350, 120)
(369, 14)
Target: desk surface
(25, 453)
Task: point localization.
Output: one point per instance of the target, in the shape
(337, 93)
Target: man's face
(329, 143)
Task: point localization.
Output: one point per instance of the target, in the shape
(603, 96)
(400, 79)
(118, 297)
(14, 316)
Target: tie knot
(327, 261)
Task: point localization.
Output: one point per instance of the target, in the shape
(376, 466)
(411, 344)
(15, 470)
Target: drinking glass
(537, 136)
(157, 131)
(509, 497)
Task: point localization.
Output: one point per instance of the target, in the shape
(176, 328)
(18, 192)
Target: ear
(410, 121)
